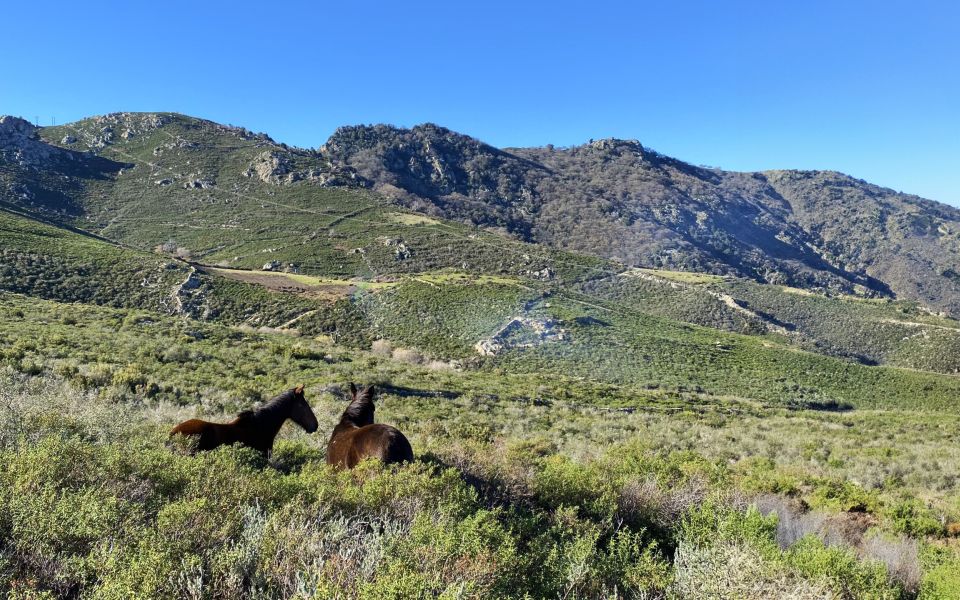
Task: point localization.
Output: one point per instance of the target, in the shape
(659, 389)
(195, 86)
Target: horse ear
(369, 391)
(353, 389)
(298, 390)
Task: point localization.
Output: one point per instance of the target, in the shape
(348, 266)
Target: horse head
(361, 408)
(301, 413)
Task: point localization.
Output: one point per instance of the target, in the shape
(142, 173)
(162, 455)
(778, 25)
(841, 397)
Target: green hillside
(584, 427)
(47, 261)
(525, 482)
(223, 196)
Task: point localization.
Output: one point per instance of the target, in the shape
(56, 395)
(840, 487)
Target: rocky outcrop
(444, 167)
(400, 249)
(198, 184)
(102, 131)
(279, 168)
(189, 297)
(521, 332)
(21, 144)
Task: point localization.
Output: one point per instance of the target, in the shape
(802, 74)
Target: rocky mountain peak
(616, 145)
(21, 144)
(15, 131)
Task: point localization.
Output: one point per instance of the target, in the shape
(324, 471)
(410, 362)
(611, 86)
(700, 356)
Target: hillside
(208, 207)
(769, 418)
(525, 486)
(221, 195)
(621, 200)
(247, 200)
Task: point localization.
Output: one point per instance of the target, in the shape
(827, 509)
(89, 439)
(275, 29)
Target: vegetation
(583, 429)
(50, 262)
(512, 495)
(869, 331)
(621, 200)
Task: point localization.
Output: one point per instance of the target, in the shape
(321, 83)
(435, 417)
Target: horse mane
(271, 408)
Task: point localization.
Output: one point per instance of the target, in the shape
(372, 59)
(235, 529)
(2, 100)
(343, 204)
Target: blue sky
(868, 88)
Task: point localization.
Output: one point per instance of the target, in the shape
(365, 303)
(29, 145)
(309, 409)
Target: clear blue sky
(868, 88)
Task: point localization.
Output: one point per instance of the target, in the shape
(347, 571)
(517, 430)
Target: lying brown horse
(254, 428)
(357, 438)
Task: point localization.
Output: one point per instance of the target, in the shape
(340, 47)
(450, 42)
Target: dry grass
(730, 571)
(408, 356)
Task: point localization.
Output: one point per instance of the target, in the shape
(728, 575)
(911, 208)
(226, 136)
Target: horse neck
(271, 423)
(266, 422)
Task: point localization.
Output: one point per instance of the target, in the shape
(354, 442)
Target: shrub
(407, 355)
(842, 496)
(730, 570)
(129, 377)
(382, 347)
(912, 518)
(900, 556)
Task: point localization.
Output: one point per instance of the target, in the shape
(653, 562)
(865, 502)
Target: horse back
(383, 442)
(208, 435)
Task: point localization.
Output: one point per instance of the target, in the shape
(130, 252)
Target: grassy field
(525, 485)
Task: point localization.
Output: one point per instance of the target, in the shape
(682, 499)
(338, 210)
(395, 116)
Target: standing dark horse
(357, 438)
(254, 428)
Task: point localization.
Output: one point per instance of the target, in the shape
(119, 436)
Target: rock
(192, 282)
(198, 184)
(521, 332)
(488, 348)
(401, 251)
(163, 182)
(545, 274)
(16, 129)
(278, 168)
(269, 167)
(189, 298)
(273, 265)
(68, 139)
(20, 143)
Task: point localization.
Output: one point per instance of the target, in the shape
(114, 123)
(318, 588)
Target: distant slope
(46, 261)
(222, 195)
(618, 199)
(869, 331)
(50, 262)
(183, 195)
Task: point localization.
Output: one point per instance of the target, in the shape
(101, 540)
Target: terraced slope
(221, 195)
(621, 200)
(207, 208)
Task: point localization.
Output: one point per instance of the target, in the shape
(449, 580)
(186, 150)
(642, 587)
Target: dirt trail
(280, 282)
(724, 297)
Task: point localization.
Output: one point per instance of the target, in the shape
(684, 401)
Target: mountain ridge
(779, 226)
(611, 198)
